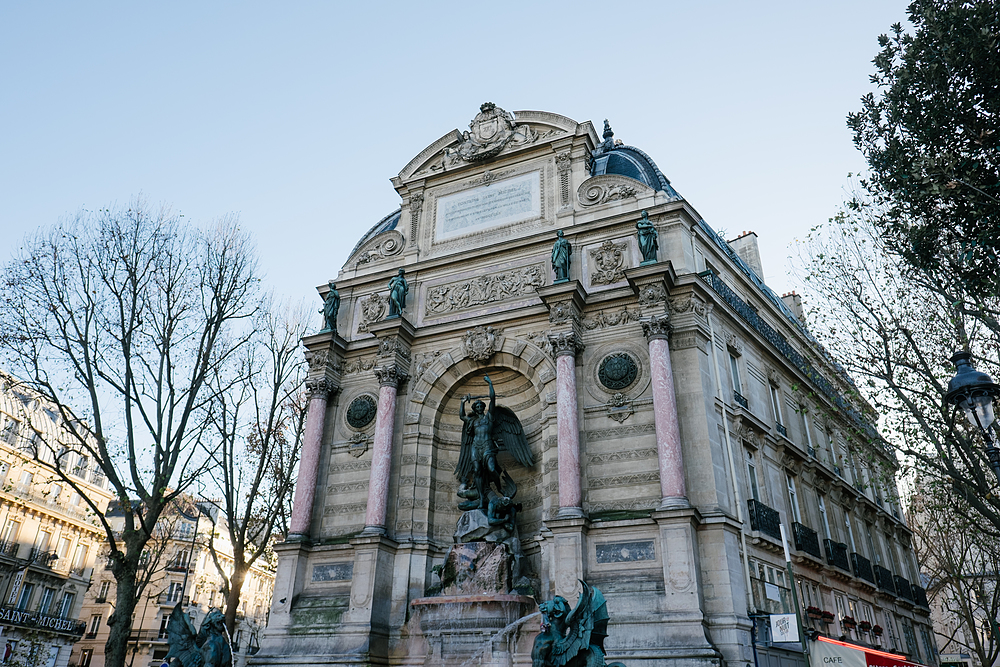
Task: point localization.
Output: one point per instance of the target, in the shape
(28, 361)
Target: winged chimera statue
(206, 648)
(573, 639)
(477, 458)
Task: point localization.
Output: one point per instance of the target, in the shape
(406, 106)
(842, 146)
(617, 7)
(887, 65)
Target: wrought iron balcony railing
(919, 596)
(863, 568)
(836, 555)
(764, 519)
(883, 578)
(741, 400)
(903, 589)
(806, 539)
(781, 429)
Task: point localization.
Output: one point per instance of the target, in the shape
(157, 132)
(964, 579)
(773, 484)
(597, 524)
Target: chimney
(745, 246)
(794, 303)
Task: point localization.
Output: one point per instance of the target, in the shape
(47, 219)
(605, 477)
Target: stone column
(564, 348)
(389, 378)
(305, 485)
(668, 435)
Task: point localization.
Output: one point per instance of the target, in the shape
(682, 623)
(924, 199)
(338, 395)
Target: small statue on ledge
(331, 306)
(561, 252)
(398, 289)
(648, 239)
(573, 639)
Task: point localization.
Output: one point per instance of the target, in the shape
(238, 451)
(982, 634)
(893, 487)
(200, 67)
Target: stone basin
(457, 626)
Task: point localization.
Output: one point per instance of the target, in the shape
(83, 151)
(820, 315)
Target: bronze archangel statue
(477, 470)
(573, 638)
(207, 648)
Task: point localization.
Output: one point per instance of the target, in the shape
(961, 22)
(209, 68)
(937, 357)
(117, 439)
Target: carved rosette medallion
(618, 371)
(390, 376)
(610, 261)
(656, 327)
(566, 342)
(361, 412)
(481, 343)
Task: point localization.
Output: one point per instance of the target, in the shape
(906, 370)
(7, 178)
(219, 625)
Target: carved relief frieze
(383, 246)
(688, 304)
(490, 132)
(627, 455)
(488, 177)
(423, 361)
(603, 320)
(609, 259)
(484, 289)
(625, 480)
(359, 365)
(620, 431)
(481, 343)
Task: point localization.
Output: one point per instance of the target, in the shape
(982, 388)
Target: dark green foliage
(931, 137)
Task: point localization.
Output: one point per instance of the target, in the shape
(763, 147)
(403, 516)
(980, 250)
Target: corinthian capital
(567, 342)
(389, 376)
(320, 387)
(656, 327)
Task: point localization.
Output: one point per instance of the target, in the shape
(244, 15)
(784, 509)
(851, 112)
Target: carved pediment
(609, 188)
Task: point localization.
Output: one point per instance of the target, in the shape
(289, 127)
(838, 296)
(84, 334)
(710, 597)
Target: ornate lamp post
(974, 391)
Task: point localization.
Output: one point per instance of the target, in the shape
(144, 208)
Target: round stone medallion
(361, 412)
(617, 371)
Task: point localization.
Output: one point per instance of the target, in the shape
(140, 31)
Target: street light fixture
(974, 391)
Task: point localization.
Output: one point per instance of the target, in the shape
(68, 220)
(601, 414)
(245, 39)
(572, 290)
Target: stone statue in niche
(573, 638)
(398, 289)
(648, 239)
(331, 306)
(561, 251)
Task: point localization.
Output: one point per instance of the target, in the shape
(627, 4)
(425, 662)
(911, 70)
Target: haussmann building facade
(677, 411)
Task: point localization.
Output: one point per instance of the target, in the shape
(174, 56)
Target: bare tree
(961, 557)
(120, 317)
(258, 416)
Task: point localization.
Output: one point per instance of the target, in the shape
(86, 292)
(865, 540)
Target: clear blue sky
(295, 115)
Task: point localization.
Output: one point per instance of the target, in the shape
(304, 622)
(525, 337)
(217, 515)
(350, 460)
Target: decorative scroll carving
(416, 206)
(424, 361)
(619, 408)
(652, 294)
(385, 245)
(734, 342)
(390, 376)
(688, 304)
(603, 320)
(773, 376)
(484, 289)
(566, 342)
(610, 261)
(656, 327)
(373, 309)
(607, 188)
(482, 343)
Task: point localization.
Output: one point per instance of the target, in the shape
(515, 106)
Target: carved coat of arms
(482, 343)
(492, 130)
(610, 262)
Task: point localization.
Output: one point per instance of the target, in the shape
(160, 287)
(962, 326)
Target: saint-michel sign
(498, 203)
(27, 619)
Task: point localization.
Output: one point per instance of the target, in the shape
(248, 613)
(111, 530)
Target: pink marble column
(565, 347)
(305, 484)
(668, 434)
(385, 426)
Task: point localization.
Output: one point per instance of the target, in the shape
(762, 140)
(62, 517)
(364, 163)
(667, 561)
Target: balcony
(9, 549)
(174, 566)
(811, 450)
(919, 596)
(836, 555)
(781, 429)
(903, 589)
(862, 568)
(883, 578)
(42, 557)
(741, 400)
(764, 519)
(806, 539)
(91, 635)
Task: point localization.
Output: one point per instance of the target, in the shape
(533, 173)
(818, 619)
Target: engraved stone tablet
(333, 572)
(625, 552)
(499, 203)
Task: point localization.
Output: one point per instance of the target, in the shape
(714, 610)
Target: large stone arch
(524, 377)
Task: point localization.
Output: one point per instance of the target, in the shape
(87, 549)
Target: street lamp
(974, 391)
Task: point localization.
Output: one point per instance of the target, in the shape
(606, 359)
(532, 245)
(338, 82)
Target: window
(876, 555)
(10, 646)
(4, 469)
(86, 655)
(10, 429)
(42, 541)
(10, 531)
(793, 500)
(25, 480)
(63, 548)
(80, 557)
(825, 518)
(850, 531)
(752, 477)
(95, 624)
(776, 404)
(25, 598)
(48, 595)
(804, 423)
(734, 368)
(66, 606)
(163, 627)
(105, 589)
(174, 592)
(771, 593)
(55, 490)
(890, 630)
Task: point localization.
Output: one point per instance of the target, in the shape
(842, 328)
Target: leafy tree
(120, 317)
(931, 136)
(258, 417)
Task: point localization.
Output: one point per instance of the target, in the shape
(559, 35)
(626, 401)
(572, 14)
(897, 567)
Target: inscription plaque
(499, 203)
(333, 572)
(625, 552)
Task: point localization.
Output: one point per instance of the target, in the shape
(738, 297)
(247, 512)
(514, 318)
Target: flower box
(814, 612)
(827, 617)
(877, 630)
(849, 622)
(865, 626)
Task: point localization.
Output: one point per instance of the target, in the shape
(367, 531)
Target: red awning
(832, 653)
